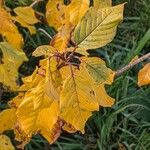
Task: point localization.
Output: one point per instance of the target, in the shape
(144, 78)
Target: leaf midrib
(94, 28)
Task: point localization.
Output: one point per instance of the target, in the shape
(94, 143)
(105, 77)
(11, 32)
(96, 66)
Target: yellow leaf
(26, 17)
(56, 13)
(78, 99)
(31, 28)
(27, 14)
(81, 51)
(33, 102)
(77, 117)
(7, 119)
(98, 27)
(32, 80)
(9, 30)
(69, 128)
(103, 98)
(16, 101)
(5, 143)
(11, 61)
(99, 91)
(102, 3)
(46, 121)
(62, 38)
(80, 94)
(97, 69)
(144, 75)
(38, 113)
(77, 10)
(45, 50)
(51, 84)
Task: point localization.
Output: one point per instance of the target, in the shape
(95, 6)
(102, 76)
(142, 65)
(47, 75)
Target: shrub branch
(130, 65)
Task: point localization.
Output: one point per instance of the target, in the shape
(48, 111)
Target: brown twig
(130, 65)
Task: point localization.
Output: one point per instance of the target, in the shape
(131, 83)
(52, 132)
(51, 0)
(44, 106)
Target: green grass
(125, 126)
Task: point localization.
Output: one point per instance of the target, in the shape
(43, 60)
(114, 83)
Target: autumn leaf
(26, 17)
(97, 69)
(102, 3)
(80, 94)
(103, 98)
(76, 10)
(44, 50)
(27, 113)
(144, 75)
(51, 84)
(5, 143)
(69, 128)
(78, 101)
(65, 88)
(56, 13)
(27, 14)
(11, 61)
(8, 30)
(47, 122)
(61, 40)
(98, 27)
(31, 81)
(77, 117)
(7, 119)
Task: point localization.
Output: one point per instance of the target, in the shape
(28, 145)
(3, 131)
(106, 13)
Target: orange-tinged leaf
(11, 61)
(16, 101)
(9, 30)
(56, 13)
(62, 38)
(69, 128)
(5, 143)
(77, 10)
(47, 120)
(144, 75)
(7, 119)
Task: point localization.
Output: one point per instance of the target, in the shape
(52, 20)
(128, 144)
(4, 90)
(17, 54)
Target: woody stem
(130, 65)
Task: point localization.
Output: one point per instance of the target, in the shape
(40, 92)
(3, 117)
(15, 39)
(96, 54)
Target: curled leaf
(144, 75)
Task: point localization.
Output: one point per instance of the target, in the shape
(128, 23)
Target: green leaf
(98, 27)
